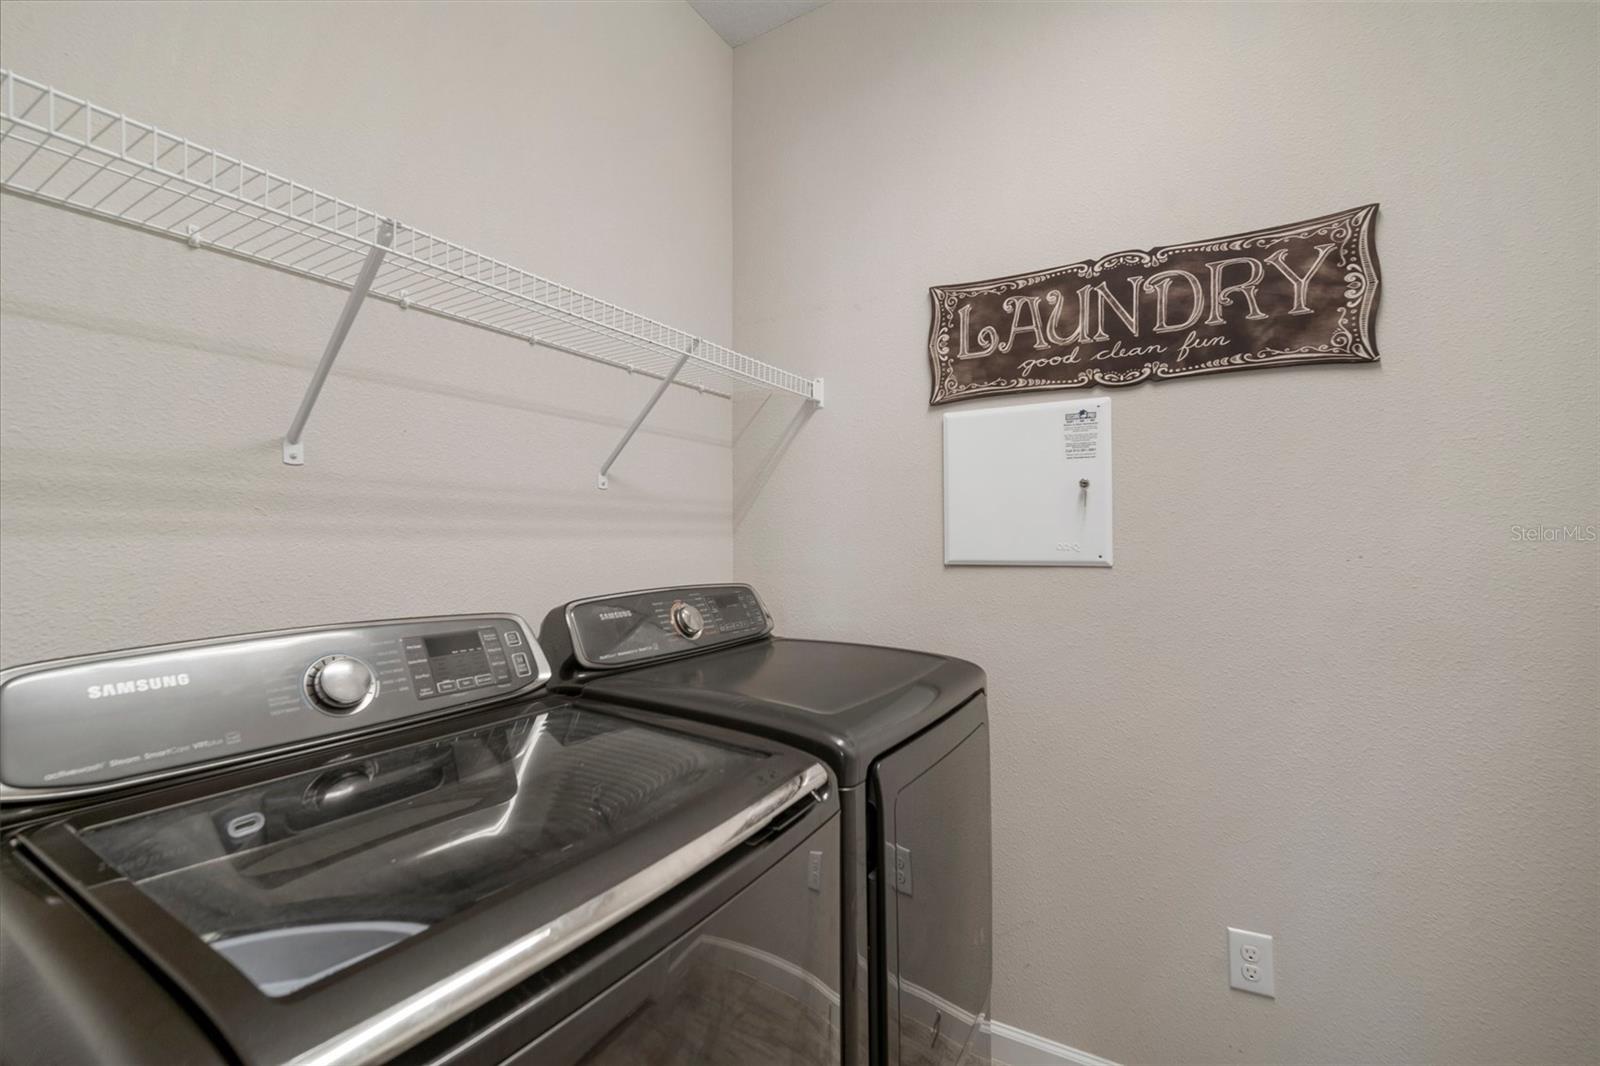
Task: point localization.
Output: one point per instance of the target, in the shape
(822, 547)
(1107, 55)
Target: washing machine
(904, 733)
(388, 841)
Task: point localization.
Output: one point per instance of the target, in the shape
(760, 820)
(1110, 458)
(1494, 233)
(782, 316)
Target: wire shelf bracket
(63, 151)
(294, 450)
(638, 420)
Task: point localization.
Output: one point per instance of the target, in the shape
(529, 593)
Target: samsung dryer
(906, 735)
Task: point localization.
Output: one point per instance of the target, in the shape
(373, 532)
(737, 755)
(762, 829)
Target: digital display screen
(456, 655)
(461, 643)
(727, 599)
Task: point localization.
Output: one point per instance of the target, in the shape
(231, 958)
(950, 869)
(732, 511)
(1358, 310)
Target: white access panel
(1029, 485)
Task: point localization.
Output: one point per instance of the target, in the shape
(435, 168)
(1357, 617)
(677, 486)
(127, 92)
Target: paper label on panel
(1081, 429)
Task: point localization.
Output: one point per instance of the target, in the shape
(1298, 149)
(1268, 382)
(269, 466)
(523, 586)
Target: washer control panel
(637, 627)
(85, 724)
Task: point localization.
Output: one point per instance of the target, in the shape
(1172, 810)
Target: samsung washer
(386, 841)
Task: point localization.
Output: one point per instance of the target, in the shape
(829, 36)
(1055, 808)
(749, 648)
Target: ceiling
(739, 21)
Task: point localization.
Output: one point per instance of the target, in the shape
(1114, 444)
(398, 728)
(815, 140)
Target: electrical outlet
(902, 870)
(1250, 962)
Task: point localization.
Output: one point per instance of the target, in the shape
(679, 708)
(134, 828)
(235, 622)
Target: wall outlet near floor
(1250, 962)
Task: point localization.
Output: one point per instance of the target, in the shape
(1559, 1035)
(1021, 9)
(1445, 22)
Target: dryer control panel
(631, 628)
(91, 723)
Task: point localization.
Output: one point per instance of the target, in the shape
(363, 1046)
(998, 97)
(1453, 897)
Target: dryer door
(932, 942)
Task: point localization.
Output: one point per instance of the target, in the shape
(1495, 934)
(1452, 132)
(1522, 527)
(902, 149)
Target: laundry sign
(1285, 296)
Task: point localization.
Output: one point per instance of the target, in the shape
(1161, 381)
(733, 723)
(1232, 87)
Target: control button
(513, 639)
(687, 620)
(464, 682)
(246, 825)
(340, 684)
(520, 662)
(484, 679)
(446, 686)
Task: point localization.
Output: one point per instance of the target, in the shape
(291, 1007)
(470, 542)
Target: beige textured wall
(1324, 693)
(144, 387)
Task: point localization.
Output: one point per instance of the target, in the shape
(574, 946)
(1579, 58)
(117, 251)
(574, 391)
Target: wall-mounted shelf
(61, 150)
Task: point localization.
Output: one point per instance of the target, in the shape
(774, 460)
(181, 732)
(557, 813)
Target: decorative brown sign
(1286, 296)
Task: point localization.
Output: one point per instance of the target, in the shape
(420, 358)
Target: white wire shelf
(62, 150)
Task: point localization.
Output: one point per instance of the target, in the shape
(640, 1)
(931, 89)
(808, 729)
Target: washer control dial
(341, 684)
(687, 620)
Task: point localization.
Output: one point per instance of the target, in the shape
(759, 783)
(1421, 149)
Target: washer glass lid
(293, 880)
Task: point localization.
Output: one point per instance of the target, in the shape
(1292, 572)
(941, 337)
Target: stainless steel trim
(404, 1023)
(17, 794)
(583, 656)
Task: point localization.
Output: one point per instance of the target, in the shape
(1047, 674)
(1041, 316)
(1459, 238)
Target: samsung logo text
(142, 684)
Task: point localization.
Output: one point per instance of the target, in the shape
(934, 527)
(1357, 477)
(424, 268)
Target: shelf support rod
(294, 450)
(638, 419)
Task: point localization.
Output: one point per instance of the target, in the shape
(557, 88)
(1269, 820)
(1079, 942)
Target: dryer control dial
(686, 619)
(341, 684)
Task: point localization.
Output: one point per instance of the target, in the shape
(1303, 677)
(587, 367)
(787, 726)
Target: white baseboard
(1018, 1047)
(1008, 1044)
